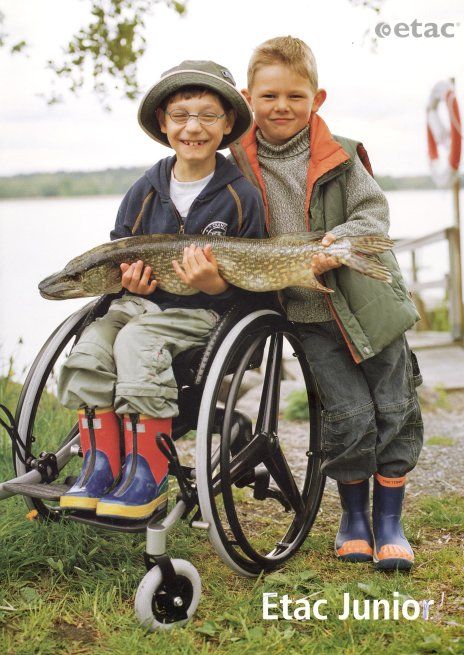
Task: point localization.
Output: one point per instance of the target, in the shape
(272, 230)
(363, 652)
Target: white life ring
(438, 134)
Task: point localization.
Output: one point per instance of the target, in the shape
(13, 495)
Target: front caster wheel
(159, 607)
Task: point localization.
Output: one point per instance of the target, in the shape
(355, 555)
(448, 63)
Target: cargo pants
(371, 421)
(123, 359)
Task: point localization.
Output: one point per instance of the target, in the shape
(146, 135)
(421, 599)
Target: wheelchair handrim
(218, 537)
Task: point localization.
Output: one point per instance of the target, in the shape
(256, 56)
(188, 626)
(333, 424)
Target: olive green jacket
(371, 314)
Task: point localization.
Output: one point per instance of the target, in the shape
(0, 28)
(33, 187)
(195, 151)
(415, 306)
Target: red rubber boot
(144, 482)
(99, 437)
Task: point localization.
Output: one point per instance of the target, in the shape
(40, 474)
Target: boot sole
(353, 558)
(74, 502)
(393, 564)
(131, 512)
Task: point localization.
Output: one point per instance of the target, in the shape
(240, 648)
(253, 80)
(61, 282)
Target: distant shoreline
(116, 181)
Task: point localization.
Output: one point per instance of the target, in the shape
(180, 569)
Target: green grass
(439, 440)
(69, 589)
(297, 408)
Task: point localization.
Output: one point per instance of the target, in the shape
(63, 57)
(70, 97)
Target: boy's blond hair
(286, 50)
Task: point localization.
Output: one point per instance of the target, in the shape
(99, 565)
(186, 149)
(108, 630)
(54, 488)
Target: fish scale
(252, 264)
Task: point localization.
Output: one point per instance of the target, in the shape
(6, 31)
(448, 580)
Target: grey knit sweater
(284, 169)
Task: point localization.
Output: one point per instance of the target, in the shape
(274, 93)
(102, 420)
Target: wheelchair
(253, 490)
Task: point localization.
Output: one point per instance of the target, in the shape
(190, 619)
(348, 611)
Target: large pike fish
(253, 264)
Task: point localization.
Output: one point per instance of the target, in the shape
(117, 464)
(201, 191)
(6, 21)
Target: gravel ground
(440, 467)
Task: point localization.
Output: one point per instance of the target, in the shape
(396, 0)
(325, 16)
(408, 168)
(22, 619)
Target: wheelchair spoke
(250, 456)
(269, 404)
(278, 467)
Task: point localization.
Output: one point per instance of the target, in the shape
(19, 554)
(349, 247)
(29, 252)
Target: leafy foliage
(108, 48)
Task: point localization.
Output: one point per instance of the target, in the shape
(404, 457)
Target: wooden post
(456, 306)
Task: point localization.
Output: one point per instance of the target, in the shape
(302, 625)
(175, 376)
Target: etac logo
(416, 29)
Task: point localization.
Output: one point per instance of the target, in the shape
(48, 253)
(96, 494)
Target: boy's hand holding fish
(322, 263)
(137, 279)
(199, 270)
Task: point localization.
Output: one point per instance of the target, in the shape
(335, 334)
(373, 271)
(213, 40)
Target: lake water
(39, 236)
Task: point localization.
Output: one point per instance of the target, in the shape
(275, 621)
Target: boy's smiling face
(193, 142)
(282, 102)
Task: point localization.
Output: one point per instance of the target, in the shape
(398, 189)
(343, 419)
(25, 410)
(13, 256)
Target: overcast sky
(377, 98)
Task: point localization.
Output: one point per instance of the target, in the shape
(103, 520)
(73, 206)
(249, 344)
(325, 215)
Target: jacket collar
(326, 152)
(326, 155)
(159, 177)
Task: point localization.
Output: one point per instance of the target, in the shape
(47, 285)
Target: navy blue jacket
(228, 205)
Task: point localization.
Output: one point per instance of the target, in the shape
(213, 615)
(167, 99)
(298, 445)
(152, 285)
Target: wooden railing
(451, 282)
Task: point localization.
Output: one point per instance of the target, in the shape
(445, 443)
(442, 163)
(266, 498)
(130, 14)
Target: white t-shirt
(184, 193)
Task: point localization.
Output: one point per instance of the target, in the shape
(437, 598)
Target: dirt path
(440, 468)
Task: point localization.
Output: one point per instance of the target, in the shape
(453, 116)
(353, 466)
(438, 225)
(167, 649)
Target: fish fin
(308, 280)
(366, 265)
(369, 245)
(320, 287)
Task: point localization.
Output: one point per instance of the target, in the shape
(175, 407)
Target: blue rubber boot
(354, 541)
(392, 550)
(99, 439)
(143, 488)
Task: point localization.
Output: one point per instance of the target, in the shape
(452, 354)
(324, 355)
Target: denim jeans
(371, 421)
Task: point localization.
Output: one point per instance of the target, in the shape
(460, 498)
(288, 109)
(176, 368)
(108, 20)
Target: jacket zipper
(357, 359)
(179, 219)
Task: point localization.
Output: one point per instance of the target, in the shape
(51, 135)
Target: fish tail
(366, 265)
(370, 245)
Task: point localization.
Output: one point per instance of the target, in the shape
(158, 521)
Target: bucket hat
(206, 74)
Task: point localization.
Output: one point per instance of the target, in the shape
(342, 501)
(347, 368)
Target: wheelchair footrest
(39, 490)
(116, 525)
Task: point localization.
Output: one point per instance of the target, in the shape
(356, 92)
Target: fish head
(61, 286)
(80, 284)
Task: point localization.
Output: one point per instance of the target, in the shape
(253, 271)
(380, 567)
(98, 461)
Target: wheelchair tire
(248, 490)
(150, 605)
(30, 397)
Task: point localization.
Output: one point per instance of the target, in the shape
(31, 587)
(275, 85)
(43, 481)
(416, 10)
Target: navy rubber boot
(354, 541)
(392, 550)
(99, 439)
(143, 488)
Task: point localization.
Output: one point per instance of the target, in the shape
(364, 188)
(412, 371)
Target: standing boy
(121, 365)
(354, 339)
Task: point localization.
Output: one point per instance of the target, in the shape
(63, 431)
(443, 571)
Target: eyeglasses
(182, 117)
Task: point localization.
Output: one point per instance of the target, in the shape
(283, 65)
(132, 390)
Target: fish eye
(71, 276)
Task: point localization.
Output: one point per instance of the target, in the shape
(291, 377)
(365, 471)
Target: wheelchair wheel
(42, 423)
(259, 493)
(154, 607)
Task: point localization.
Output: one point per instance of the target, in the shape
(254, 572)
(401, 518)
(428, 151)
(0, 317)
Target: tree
(111, 44)
(108, 47)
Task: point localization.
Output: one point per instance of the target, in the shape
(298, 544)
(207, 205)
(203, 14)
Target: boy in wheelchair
(120, 368)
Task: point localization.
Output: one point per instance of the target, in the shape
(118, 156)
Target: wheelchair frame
(240, 458)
